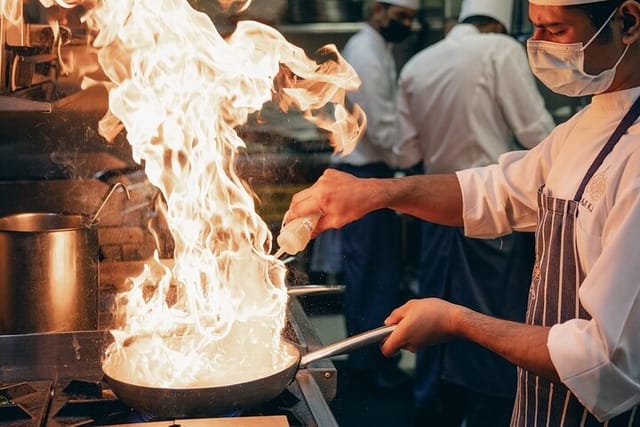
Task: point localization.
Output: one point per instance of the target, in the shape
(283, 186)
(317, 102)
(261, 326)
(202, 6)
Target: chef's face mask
(395, 31)
(560, 66)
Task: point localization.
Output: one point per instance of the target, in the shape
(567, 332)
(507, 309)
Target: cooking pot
(49, 271)
(187, 402)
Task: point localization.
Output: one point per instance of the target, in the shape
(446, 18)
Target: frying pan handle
(304, 290)
(348, 344)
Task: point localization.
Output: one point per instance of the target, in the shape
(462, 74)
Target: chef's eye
(548, 32)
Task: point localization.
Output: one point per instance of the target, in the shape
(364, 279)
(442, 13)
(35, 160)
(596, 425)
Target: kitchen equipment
(295, 235)
(30, 63)
(206, 401)
(339, 10)
(75, 393)
(309, 11)
(106, 198)
(49, 271)
(305, 290)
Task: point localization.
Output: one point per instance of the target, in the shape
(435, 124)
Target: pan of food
(186, 402)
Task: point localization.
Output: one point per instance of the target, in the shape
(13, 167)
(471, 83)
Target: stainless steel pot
(49, 272)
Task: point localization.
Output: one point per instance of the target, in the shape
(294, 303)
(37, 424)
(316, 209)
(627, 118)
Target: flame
(11, 10)
(180, 90)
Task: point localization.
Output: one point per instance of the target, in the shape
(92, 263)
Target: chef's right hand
(341, 198)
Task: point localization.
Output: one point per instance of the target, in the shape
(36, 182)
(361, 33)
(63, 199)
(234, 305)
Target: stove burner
(81, 401)
(84, 388)
(22, 403)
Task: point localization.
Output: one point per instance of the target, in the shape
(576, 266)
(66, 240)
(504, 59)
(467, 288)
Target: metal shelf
(435, 22)
(321, 27)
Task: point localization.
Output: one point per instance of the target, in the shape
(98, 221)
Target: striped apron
(553, 298)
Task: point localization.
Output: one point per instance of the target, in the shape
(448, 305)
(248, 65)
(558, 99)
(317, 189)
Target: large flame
(180, 90)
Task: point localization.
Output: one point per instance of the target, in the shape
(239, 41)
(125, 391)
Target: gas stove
(55, 379)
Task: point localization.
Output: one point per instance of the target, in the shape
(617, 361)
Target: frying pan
(187, 402)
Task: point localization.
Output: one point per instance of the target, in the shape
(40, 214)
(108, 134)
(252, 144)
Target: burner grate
(81, 401)
(24, 403)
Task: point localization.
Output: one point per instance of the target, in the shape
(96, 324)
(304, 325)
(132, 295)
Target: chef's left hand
(420, 322)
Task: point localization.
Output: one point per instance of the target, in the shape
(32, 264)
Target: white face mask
(560, 66)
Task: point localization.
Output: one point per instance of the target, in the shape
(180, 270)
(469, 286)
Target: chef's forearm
(435, 198)
(521, 344)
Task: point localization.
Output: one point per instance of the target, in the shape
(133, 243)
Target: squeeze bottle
(295, 236)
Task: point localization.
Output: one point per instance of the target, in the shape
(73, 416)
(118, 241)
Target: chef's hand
(341, 198)
(420, 322)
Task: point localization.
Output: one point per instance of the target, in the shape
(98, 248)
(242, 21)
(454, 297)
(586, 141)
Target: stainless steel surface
(304, 11)
(304, 290)
(106, 198)
(51, 356)
(43, 98)
(348, 344)
(48, 273)
(31, 56)
(313, 396)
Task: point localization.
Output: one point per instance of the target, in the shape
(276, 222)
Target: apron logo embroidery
(597, 186)
(587, 204)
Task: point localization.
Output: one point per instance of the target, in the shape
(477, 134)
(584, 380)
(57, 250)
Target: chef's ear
(630, 10)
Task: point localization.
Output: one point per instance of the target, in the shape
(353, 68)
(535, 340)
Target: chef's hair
(481, 21)
(598, 13)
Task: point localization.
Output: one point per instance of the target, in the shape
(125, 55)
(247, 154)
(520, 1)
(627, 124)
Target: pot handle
(106, 197)
(348, 344)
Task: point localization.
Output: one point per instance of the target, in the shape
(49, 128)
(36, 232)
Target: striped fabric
(553, 298)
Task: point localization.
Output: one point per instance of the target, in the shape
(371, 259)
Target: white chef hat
(562, 2)
(500, 10)
(411, 4)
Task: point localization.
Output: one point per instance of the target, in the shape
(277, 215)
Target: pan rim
(295, 352)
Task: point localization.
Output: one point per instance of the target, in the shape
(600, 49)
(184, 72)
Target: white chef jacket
(598, 359)
(371, 57)
(462, 100)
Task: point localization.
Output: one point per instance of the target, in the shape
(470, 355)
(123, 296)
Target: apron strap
(621, 129)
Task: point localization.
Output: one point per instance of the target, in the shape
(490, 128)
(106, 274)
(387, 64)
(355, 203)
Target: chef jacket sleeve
(500, 198)
(519, 98)
(376, 97)
(406, 150)
(599, 359)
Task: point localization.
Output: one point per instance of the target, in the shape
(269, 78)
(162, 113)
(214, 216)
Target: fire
(180, 90)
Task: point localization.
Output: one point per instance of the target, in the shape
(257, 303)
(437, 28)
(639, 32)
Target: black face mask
(395, 31)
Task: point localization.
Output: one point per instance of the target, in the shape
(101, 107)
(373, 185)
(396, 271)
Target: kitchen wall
(42, 153)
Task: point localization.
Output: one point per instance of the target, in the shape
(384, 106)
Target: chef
(578, 351)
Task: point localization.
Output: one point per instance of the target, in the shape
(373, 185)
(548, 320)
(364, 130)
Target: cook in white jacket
(579, 349)
(461, 102)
